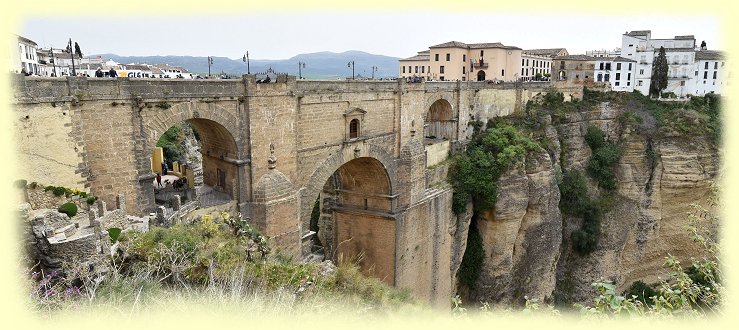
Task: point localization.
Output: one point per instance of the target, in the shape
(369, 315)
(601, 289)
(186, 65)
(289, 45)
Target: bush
(91, 200)
(469, 269)
(20, 183)
(58, 191)
(475, 173)
(34, 185)
(642, 292)
(163, 105)
(575, 201)
(605, 155)
(70, 209)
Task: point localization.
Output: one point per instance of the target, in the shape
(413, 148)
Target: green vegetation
(171, 143)
(469, 269)
(20, 184)
(91, 200)
(659, 74)
(605, 156)
(70, 209)
(474, 174)
(575, 201)
(219, 260)
(163, 105)
(640, 291)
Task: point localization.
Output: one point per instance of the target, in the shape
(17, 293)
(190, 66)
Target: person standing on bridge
(112, 73)
(159, 181)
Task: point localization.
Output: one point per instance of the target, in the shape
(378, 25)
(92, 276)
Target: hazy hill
(321, 65)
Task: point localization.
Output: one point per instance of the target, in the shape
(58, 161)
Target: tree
(659, 74)
(77, 50)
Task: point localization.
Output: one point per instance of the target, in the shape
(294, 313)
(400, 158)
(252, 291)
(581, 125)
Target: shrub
(469, 269)
(603, 160)
(642, 292)
(91, 200)
(59, 191)
(20, 183)
(574, 192)
(34, 185)
(575, 201)
(163, 105)
(70, 209)
(474, 174)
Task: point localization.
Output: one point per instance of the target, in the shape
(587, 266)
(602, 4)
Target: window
(354, 129)
(422, 69)
(404, 69)
(600, 77)
(632, 45)
(618, 66)
(464, 69)
(705, 75)
(607, 77)
(629, 66)
(464, 78)
(638, 83)
(714, 74)
(608, 66)
(441, 78)
(601, 65)
(428, 68)
(482, 53)
(502, 72)
(641, 71)
(715, 65)
(416, 68)
(628, 83)
(628, 76)
(436, 57)
(441, 69)
(523, 62)
(682, 83)
(706, 67)
(696, 73)
(448, 57)
(618, 83)
(522, 71)
(527, 72)
(464, 58)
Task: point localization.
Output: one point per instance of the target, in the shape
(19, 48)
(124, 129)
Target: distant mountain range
(321, 65)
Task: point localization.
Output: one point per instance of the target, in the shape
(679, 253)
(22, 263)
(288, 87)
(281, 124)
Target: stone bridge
(355, 152)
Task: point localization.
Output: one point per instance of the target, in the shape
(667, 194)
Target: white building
(680, 53)
(604, 53)
(535, 67)
(617, 71)
(709, 74)
(23, 55)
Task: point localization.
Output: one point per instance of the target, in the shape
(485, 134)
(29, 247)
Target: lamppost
(301, 66)
(70, 50)
(351, 65)
(374, 69)
(51, 53)
(210, 61)
(246, 59)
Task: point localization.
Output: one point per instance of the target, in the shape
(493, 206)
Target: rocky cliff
(663, 168)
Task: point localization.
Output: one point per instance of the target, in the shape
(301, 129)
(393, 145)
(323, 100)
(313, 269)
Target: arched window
(354, 129)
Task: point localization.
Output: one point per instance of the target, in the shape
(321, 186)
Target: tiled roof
(450, 44)
(577, 58)
(614, 58)
(141, 67)
(544, 51)
(26, 40)
(417, 58)
(688, 37)
(457, 44)
(639, 33)
(423, 52)
(709, 55)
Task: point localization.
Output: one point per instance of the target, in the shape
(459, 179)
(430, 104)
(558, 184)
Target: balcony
(478, 65)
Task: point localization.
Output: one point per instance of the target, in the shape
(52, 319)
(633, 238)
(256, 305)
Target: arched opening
(438, 131)
(196, 160)
(480, 75)
(354, 129)
(353, 218)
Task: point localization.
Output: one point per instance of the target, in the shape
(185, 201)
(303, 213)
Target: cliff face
(528, 251)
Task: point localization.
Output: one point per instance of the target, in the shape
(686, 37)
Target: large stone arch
(221, 142)
(156, 121)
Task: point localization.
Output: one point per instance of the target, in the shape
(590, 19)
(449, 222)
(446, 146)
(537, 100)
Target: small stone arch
(439, 121)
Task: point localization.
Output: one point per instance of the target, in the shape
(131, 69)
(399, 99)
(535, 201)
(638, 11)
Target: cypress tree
(659, 74)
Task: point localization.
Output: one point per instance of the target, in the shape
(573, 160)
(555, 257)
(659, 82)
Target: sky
(279, 35)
